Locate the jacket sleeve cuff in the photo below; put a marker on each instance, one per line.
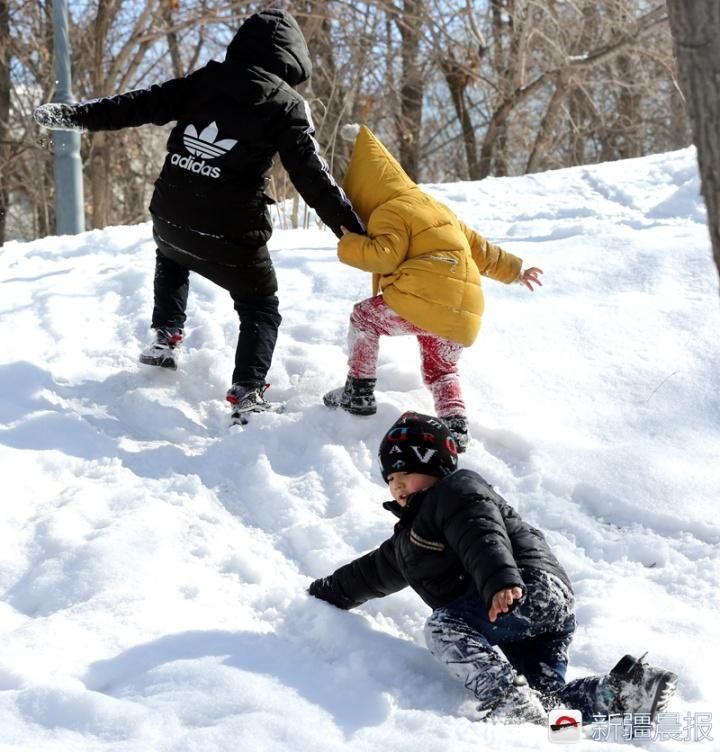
(508, 577)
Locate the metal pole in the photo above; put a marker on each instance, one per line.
(69, 200)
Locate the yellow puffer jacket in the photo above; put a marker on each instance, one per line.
(424, 260)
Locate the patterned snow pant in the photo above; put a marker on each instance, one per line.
(373, 318)
(532, 640)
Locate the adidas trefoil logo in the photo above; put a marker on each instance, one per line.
(204, 146)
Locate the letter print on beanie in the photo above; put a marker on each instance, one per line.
(418, 443)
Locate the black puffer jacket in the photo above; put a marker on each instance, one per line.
(455, 535)
(232, 118)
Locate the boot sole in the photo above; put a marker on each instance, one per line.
(666, 689)
(363, 411)
(163, 362)
(241, 417)
(352, 410)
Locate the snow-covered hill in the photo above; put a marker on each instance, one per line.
(153, 563)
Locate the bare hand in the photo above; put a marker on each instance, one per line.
(503, 600)
(344, 230)
(530, 277)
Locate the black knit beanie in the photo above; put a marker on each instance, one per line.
(418, 444)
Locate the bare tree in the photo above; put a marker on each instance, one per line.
(546, 79)
(455, 88)
(167, 10)
(329, 96)
(4, 113)
(696, 29)
(410, 22)
(564, 72)
(460, 65)
(26, 164)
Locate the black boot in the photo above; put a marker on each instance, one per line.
(639, 688)
(458, 426)
(357, 397)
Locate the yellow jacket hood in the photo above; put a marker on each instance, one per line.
(374, 176)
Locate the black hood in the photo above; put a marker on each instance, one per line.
(272, 40)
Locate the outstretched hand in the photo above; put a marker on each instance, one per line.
(57, 117)
(530, 277)
(326, 589)
(503, 601)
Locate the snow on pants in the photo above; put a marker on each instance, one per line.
(372, 319)
(531, 640)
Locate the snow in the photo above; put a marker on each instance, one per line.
(153, 562)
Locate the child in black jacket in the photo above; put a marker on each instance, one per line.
(491, 580)
(209, 208)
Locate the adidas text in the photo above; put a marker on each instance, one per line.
(192, 165)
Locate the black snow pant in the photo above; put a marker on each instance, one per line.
(252, 288)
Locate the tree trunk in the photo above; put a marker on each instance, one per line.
(458, 80)
(547, 127)
(580, 107)
(100, 176)
(327, 98)
(695, 28)
(172, 38)
(504, 50)
(497, 127)
(628, 123)
(4, 114)
(411, 90)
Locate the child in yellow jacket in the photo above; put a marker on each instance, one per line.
(426, 267)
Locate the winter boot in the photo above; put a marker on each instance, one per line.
(639, 688)
(249, 399)
(357, 397)
(520, 704)
(163, 351)
(458, 426)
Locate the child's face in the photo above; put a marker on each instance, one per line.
(404, 484)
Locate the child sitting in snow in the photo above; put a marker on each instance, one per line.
(492, 582)
(426, 267)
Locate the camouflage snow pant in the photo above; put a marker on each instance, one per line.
(532, 640)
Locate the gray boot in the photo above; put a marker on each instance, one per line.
(249, 398)
(458, 426)
(639, 688)
(632, 687)
(163, 350)
(357, 397)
